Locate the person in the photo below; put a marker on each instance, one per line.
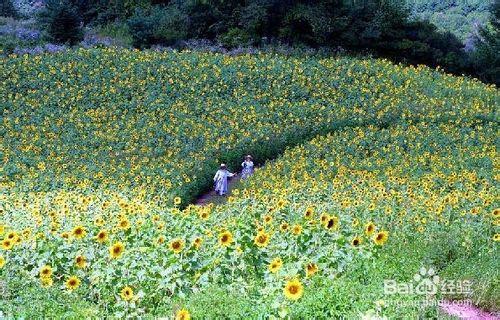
(220, 179)
(247, 167)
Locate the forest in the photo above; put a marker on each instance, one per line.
(459, 36)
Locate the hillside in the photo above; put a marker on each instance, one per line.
(462, 18)
(102, 152)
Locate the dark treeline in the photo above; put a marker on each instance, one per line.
(379, 27)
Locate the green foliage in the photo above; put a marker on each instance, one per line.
(163, 26)
(456, 16)
(119, 32)
(34, 301)
(61, 21)
(487, 55)
(7, 9)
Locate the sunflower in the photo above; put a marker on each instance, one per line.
(46, 271)
(127, 293)
(204, 214)
(81, 262)
(7, 244)
(65, 235)
(197, 242)
(124, 224)
(102, 236)
(79, 232)
(293, 289)
(182, 314)
(355, 222)
(369, 228)
(311, 269)
(160, 240)
(2, 262)
(381, 237)
(72, 283)
(268, 219)
(225, 238)
(275, 265)
(176, 245)
(13, 236)
(177, 201)
(46, 282)
(308, 214)
(284, 227)
(116, 250)
(356, 241)
(261, 239)
(496, 213)
(98, 222)
(496, 237)
(332, 223)
(324, 217)
(297, 229)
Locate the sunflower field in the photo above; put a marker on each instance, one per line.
(374, 169)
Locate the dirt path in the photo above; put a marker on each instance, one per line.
(466, 311)
(212, 197)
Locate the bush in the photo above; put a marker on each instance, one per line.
(235, 37)
(61, 22)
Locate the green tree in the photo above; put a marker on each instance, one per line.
(486, 57)
(7, 9)
(61, 21)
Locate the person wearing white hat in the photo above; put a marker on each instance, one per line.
(247, 167)
(220, 179)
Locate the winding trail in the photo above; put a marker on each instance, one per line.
(212, 197)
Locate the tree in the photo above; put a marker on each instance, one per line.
(61, 22)
(486, 58)
(7, 9)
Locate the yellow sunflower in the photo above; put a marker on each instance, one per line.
(176, 245)
(496, 237)
(127, 293)
(81, 262)
(177, 201)
(275, 265)
(46, 282)
(308, 214)
(261, 239)
(356, 241)
(225, 238)
(116, 250)
(381, 237)
(311, 269)
(46, 271)
(182, 314)
(102, 236)
(197, 242)
(79, 232)
(284, 227)
(293, 289)
(7, 244)
(2, 261)
(332, 223)
(124, 224)
(297, 229)
(369, 228)
(72, 283)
